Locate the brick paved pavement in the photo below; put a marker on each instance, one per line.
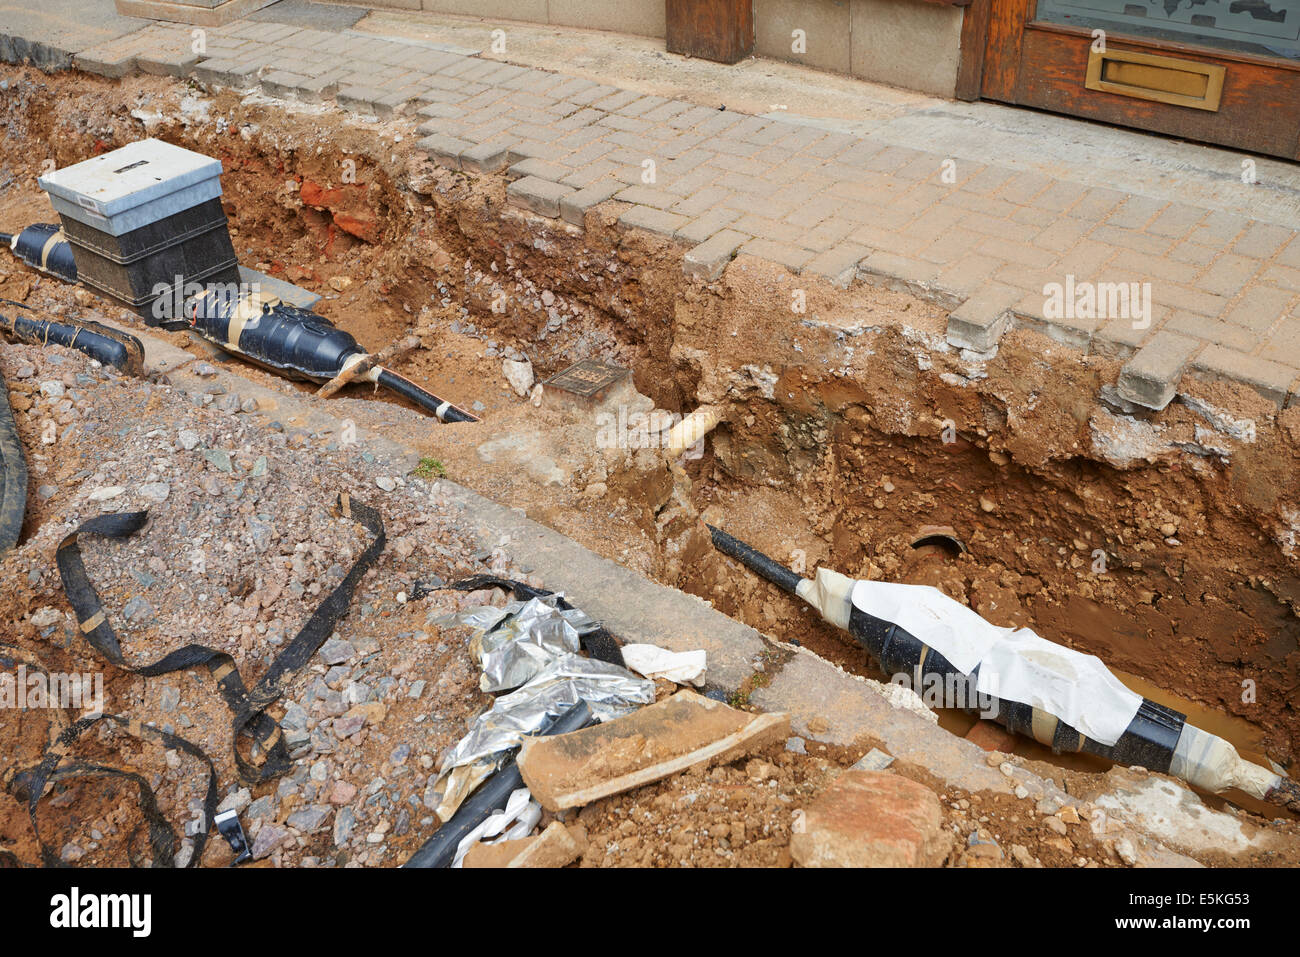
(983, 239)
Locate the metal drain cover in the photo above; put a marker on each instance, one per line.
(587, 378)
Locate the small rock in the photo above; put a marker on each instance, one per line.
(342, 793)
(344, 821)
(1127, 854)
(1022, 856)
(47, 616)
(138, 610)
(336, 651)
(188, 439)
(155, 491)
(236, 801)
(219, 458)
(268, 839)
(519, 375)
(308, 820)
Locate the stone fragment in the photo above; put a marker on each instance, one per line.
(679, 732)
(871, 819)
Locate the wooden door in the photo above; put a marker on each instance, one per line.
(1218, 71)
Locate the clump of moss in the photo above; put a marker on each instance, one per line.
(428, 468)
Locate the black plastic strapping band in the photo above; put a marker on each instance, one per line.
(162, 839)
(248, 705)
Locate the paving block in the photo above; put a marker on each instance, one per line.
(167, 63)
(839, 264)
(708, 260)
(104, 61)
(900, 272)
(1150, 378)
(372, 100)
(978, 323)
(314, 89)
(438, 111)
(281, 83)
(485, 157)
(653, 220)
(540, 168)
(792, 257)
(235, 74)
(537, 195)
(573, 207)
(531, 149)
(647, 196)
(1270, 379)
(713, 221)
(444, 150)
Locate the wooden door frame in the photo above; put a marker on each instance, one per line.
(974, 41)
(993, 53)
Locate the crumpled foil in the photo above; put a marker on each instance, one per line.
(610, 692)
(515, 642)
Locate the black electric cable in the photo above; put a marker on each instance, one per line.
(491, 796)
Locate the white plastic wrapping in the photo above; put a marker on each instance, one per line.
(651, 661)
(1014, 664)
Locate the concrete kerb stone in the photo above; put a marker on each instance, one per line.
(1150, 379)
(979, 322)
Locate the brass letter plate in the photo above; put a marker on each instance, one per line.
(1160, 78)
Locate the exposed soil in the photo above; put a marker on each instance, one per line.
(848, 426)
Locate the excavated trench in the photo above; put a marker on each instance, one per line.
(1164, 544)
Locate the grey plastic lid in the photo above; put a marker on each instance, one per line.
(109, 187)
